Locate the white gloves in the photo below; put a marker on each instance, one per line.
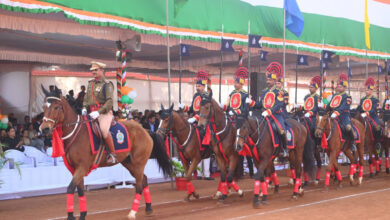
(265, 113)
(296, 105)
(84, 111)
(388, 102)
(307, 115)
(333, 115)
(320, 105)
(363, 115)
(191, 120)
(181, 105)
(220, 105)
(248, 100)
(231, 113)
(250, 113)
(94, 114)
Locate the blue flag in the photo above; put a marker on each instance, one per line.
(254, 41)
(184, 50)
(380, 70)
(227, 45)
(327, 56)
(294, 19)
(349, 72)
(302, 60)
(324, 65)
(263, 55)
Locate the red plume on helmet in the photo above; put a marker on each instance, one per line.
(370, 83)
(241, 74)
(274, 70)
(343, 79)
(202, 77)
(315, 81)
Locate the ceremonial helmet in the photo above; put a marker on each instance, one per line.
(370, 83)
(342, 80)
(241, 74)
(202, 77)
(275, 71)
(315, 82)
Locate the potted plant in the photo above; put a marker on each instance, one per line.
(179, 174)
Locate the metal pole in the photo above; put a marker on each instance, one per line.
(378, 82)
(296, 79)
(180, 72)
(321, 70)
(366, 64)
(386, 80)
(249, 58)
(349, 79)
(220, 69)
(284, 46)
(169, 73)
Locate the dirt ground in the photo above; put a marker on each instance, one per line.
(371, 200)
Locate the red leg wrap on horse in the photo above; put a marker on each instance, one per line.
(338, 175)
(371, 168)
(352, 169)
(190, 187)
(275, 178)
(224, 189)
(146, 193)
(69, 203)
(136, 201)
(264, 188)
(83, 203)
(297, 184)
(333, 170)
(327, 178)
(219, 186)
(267, 179)
(293, 174)
(306, 177)
(256, 190)
(378, 162)
(361, 171)
(318, 173)
(387, 162)
(234, 186)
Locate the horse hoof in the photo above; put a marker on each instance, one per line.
(316, 182)
(131, 215)
(294, 198)
(371, 175)
(339, 187)
(276, 190)
(240, 193)
(264, 202)
(360, 180)
(376, 173)
(82, 215)
(217, 195)
(256, 204)
(149, 212)
(196, 195)
(291, 182)
(222, 199)
(387, 170)
(70, 216)
(306, 184)
(148, 209)
(325, 190)
(301, 192)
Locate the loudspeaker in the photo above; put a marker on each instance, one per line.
(258, 82)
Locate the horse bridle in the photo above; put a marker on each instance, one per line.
(168, 130)
(256, 131)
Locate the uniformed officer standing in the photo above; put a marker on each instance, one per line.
(99, 100)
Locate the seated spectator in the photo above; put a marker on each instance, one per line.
(151, 123)
(35, 139)
(70, 99)
(27, 121)
(3, 135)
(12, 141)
(12, 119)
(38, 121)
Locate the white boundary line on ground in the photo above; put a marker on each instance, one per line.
(310, 204)
(181, 200)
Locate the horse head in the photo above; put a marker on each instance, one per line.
(166, 120)
(206, 110)
(53, 110)
(243, 131)
(322, 124)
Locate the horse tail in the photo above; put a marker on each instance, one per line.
(160, 154)
(308, 157)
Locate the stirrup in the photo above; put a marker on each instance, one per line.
(111, 158)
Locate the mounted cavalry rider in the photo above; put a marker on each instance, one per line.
(340, 105)
(310, 106)
(202, 78)
(279, 86)
(239, 102)
(98, 101)
(369, 105)
(272, 102)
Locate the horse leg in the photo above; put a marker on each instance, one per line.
(317, 156)
(77, 180)
(338, 175)
(190, 170)
(230, 182)
(293, 175)
(386, 147)
(332, 160)
(222, 184)
(148, 199)
(352, 168)
(296, 159)
(260, 182)
(274, 178)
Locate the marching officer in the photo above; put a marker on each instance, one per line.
(99, 100)
(340, 105)
(239, 101)
(369, 105)
(272, 102)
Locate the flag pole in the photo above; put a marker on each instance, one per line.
(220, 69)
(284, 45)
(386, 80)
(296, 79)
(378, 81)
(180, 56)
(321, 70)
(349, 78)
(249, 58)
(366, 63)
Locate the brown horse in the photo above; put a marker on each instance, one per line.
(188, 140)
(78, 154)
(265, 152)
(327, 126)
(386, 138)
(222, 135)
(371, 144)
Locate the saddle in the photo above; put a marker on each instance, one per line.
(96, 128)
